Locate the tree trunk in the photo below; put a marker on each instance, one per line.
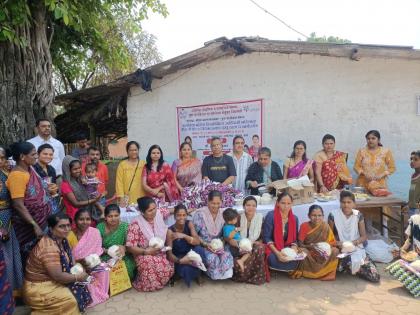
(26, 90)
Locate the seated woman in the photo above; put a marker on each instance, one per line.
(316, 266)
(75, 196)
(331, 167)
(280, 230)
(251, 228)
(49, 287)
(374, 163)
(157, 178)
(84, 241)
(183, 239)
(264, 171)
(114, 232)
(154, 270)
(349, 225)
(298, 165)
(47, 173)
(187, 169)
(208, 222)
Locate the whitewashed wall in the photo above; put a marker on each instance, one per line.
(305, 97)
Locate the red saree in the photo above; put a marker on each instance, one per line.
(164, 177)
(335, 173)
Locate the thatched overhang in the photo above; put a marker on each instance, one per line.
(103, 108)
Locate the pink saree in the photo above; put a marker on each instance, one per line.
(91, 243)
(300, 169)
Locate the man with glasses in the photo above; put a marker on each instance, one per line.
(218, 167)
(242, 161)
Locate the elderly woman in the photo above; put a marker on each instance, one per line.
(331, 166)
(374, 163)
(208, 222)
(84, 241)
(114, 232)
(316, 265)
(280, 230)
(13, 270)
(49, 287)
(128, 186)
(251, 228)
(187, 169)
(157, 178)
(154, 270)
(29, 198)
(264, 171)
(298, 165)
(183, 239)
(349, 226)
(75, 196)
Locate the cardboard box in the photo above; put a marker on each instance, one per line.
(297, 194)
(308, 193)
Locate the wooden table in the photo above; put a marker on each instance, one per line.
(383, 202)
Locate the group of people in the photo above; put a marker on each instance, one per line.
(53, 213)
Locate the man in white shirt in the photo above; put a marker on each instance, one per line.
(43, 127)
(242, 161)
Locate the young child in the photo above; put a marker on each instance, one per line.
(232, 236)
(91, 182)
(414, 193)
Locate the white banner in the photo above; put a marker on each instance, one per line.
(224, 120)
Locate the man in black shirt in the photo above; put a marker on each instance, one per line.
(218, 167)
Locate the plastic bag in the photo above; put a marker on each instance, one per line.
(380, 251)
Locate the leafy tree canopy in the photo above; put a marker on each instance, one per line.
(323, 39)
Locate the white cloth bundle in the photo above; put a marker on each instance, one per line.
(324, 247)
(156, 242)
(77, 269)
(92, 260)
(216, 244)
(196, 259)
(245, 245)
(348, 247)
(289, 252)
(113, 251)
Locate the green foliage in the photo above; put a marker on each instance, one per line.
(84, 33)
(330, 39)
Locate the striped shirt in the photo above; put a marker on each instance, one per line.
(241, 165)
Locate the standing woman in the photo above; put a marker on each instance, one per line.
(85, 240)
(154, 270)
(414, 192)
(47, 173)
(29, 198)
(298, 165)
(280, 230)
(316, 266)
(183, 239)
(331, 166)
(128, 186)
(349, 225)
(13, 263)
(187, 169)
(114, 232)
(157, 178)
(374, 163)
(75, 196)
(251, 228)
(7, 303)
(208, 222)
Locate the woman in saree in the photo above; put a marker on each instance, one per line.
(114, 232)
(298, 164)
(315, 265)
(251, 228)
(374, 163)
(280, 230)
(154, 270)
(187, 169)
(49, 287)
(349, 225)
(13, 271)
(85, 240)
(331, 167)
(7, 303)
(208, 222)
(29, 198)
(75, 196)
(184, 238)
(157, 178)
